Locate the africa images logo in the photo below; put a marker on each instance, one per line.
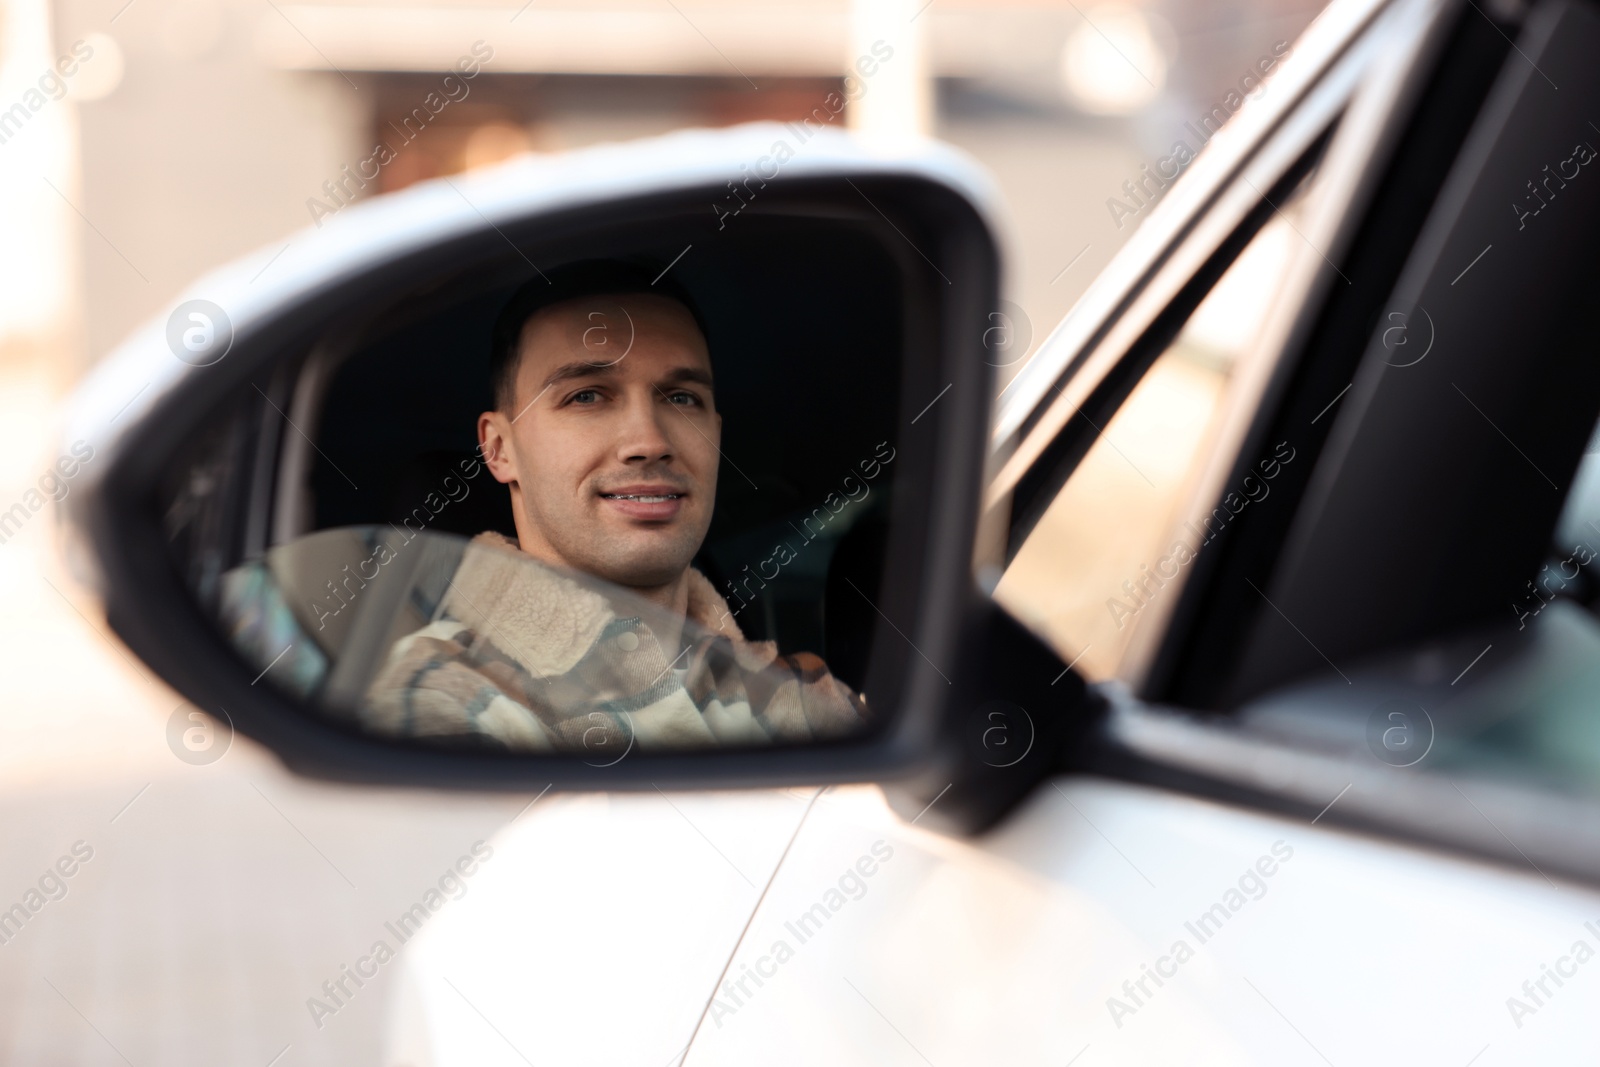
(1251, 885)
(1400, 733)
(199, 332)
(196, 738)
(1005, 734)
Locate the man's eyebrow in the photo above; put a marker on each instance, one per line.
(698, 375)
(578, 369)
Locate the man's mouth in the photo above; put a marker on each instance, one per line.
(646, 503)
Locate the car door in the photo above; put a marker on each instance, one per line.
(1263, 864)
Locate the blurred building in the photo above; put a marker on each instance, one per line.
(207, 128)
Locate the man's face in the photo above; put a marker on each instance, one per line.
(611, 445)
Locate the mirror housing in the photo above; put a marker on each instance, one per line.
(267, 315)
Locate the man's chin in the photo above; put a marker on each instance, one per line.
(640, 576)
(639, 567)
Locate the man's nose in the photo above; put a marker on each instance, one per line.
(644, 438)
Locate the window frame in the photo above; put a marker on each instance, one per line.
(1149, 738)
(1217, 453)
(1135, 310)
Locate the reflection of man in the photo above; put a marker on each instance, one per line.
(606, 430)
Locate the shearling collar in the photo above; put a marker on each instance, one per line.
(549, 620)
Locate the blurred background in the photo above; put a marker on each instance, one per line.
(190, 132)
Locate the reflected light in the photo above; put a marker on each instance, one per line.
(38, 150)
(1112, 63)
(1231, 316)
(101, 73)
(494, 142)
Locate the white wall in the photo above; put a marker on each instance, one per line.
(200, 154)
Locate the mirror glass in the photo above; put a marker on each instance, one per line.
(617, 503)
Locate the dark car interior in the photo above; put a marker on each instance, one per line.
(796, 343)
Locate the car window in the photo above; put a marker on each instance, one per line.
(1523, 706)
(1110, 550)
(1509, 698)
(1580, 516)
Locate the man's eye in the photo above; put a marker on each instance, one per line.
(584, 396)
(685, 399)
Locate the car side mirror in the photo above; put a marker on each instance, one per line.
(742, 559)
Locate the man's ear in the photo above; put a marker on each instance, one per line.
(494, 445)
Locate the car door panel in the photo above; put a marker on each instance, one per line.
(596, 934)
(1014, 948)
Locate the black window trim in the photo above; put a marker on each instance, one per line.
(1189, 662)
(1517, 823)
(1158, 307)
(1188, 224)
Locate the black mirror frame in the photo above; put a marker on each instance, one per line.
(938, 226)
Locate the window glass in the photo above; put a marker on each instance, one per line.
(1111, 548)
(1528, 712)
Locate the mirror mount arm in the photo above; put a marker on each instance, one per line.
(1016, 716)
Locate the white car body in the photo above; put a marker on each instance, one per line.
(603, 924)
(1100, 923)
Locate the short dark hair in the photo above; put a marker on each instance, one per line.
(589, 277)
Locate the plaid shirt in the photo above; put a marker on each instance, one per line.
(525, 658)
